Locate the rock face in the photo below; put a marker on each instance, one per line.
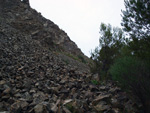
(38, 76)
(28, 21)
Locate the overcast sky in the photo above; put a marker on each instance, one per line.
(81, 19)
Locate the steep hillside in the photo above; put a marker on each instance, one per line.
(29, 23)
(43, 71)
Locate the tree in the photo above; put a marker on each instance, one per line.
(136, 18)
(110, 36)
(136, 22)
(110, 42)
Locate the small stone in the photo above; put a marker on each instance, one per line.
(100, 98)
(7, 91)
(75, 95)
(114, 90)
(27, 84)
(6, 97)
(93, 88)
(116, 110)
(18, 106)
(4, 112)
(102, 107)
(67, 101)
(19, 69)
(28, 97)
(2, 82)
(115, 102)
(32, 91)
(37, 84)
(15, 108)
(95, 77)
(54, 108)
(66, 110)
(103, 88)
(53, 90)
(18, 95)
(40, 108)
(24, 105)
(62, 82)
(88, 94)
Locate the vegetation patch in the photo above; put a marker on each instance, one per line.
(95, 82)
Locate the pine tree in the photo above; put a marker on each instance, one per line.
(136, 18)
(110, 42)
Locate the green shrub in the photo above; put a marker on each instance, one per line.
(95, 82)
(133, 74)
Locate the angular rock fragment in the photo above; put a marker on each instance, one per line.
(101, 98)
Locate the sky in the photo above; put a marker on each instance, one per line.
(81, 19)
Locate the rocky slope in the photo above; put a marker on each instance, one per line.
(43, 71)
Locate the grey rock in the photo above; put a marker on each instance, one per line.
(66, 110)
(18, 106)
(40, 108)
(102, 106)
(7, 91)
(15, 108)
(4, 112)
(95, 77)
(2, 82)
(101, 98)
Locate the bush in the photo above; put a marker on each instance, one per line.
(133, 74)
(95, 82)
(111, 40)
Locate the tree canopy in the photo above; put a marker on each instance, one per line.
(127, 61)
(110, 42)
(136, 18)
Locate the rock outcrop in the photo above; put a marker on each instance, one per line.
(41, 71)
